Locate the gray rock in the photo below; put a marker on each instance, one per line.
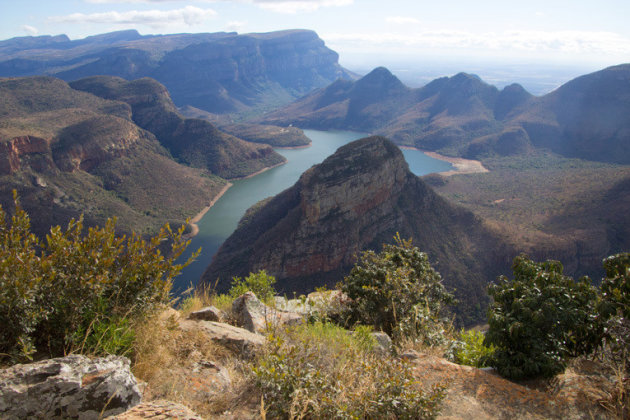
(71, 387)
(383, 343)
(234, 338)
(255, 316)
(209, 313)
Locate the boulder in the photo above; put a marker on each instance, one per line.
(383, 343)
(239, 340)
(71, 387)
(209, 313)
(255, 316)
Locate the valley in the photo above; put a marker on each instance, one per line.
(134, 126)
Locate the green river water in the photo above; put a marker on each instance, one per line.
(221, 220)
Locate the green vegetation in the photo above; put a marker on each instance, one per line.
(78, 291)
(260, 283)
(397, 291)
(540, 319)
(470, 349)
(320, 371)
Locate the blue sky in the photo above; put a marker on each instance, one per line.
(552, 31)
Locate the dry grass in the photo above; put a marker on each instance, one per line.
(189, 368)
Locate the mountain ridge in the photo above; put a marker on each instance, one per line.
(464, 116)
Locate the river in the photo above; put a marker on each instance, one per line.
(221, 220)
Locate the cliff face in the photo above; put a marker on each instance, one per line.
(69, 153)
(357, 199)
(247, 70)
(195, 142)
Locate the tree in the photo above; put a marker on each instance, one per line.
(77, 291)
(540, 319)
(397, 291)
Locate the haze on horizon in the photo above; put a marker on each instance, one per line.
(538, 42)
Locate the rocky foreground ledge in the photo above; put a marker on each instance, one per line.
(76, 387)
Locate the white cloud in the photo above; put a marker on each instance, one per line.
(295, 6)
(30, 30)
(189, 16)
(574, 42)
(279, 6)
(401, 20)
(235, 25)
(143, 1)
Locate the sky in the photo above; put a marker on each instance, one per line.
(577, 33)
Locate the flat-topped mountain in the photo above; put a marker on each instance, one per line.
(195, 142)
(248, 71)
(463, 116)
(358, 198)
(69, 152)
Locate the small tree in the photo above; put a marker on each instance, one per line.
(397, 291)
(260, 283)
(540, 318)
(77, 291)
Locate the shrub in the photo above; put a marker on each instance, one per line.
(470, 349)
(615, 286)
(397, 291)
(321, 371)
(260, 283)
(540, 318)
(75, 291)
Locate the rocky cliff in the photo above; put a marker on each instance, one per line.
(248, 71)
(68, 153)
(357, 199)
(195, 142)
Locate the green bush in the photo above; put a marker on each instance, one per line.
(615, 286)
(540, 319)
(397, 291)
(77, 291)
(260, 283)
(470, 349)
(615, 308)
(320, 371)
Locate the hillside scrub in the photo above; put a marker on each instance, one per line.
(541, 318)
(320, 371)
(78, 292)
(398, 291)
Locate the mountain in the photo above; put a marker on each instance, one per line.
(585, 118)
(464, 116)
(69, 152)
(195, 142)
(358, 198)
(248, 71)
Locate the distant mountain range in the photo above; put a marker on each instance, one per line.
(217, 72)
(463, 116)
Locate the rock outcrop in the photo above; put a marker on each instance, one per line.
(357, 199)
(193, 141)
(238, 340)
(72, 387)
(255, 316)
(69, 152)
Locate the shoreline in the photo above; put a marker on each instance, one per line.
(304, 146)
(462, 166)
(194, 228)
(266, 168)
